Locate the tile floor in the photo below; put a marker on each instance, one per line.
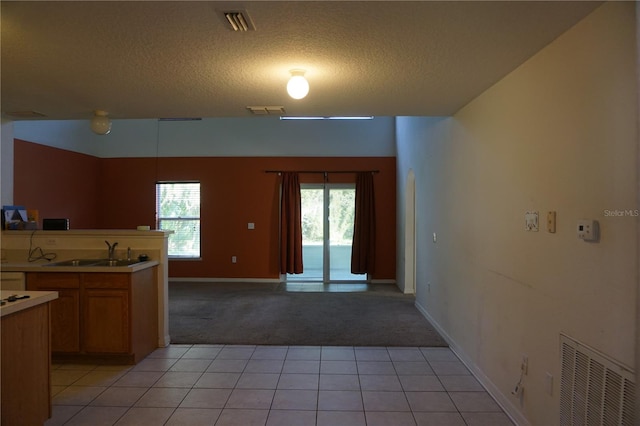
(275, 385)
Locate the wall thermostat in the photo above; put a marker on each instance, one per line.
(588, 230)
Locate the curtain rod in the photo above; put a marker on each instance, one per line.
(321, 171)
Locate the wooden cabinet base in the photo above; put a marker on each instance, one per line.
(26, 371)
(109, 318)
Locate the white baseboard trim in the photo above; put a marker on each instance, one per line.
(503, 400)
(383, 281)
(225, 280)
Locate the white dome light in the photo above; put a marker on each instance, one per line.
(298, 86)
(100, 123)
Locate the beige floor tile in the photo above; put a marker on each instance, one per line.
(375, 382)
(382, 418)
(421, 383)
(178, 379)
(119, 397)
(255, 399)
(240, 417)
(97, 416)
(61, 377)
(298, 381)
(286, 399)
(487, 419)
(217, 380)
(439, 419)
(138, 379)
(194, 417)
(60, 414)
(162, 397)
(348, 382)
(206, 398)
(340, 401)
(291, 417)
(384, 401)
(138, 416)
(99, 378)
(430, 401)
(77, 395)
(342, 418)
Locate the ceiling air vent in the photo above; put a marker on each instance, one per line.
(239, 20)
(25, 114)
(266, 110)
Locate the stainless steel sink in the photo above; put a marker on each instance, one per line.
(76, 262)
(117, 262)
(95, 262)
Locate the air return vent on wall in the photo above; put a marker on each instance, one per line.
(594, 389)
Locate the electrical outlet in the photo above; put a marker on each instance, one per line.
(525, 364)
(234, 259)
(51, 242)
(548, 383)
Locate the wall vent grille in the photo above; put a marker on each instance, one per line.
(594, 388)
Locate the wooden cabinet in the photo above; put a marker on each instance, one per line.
(65, 310)
(25, 394)
(114, 315)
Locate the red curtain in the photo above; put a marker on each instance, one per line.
(363, 251)
(290, 225)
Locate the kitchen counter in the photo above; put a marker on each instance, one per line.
(35, 298)
(44, 266)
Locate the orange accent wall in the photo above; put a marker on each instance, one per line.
(56, 182)
(234, 191)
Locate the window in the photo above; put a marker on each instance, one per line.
(178, 207)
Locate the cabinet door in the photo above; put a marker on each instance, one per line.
(65, 310)
(105, 320)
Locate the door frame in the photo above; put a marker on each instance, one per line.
(410, 234)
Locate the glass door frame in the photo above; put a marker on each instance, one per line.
(326, 237)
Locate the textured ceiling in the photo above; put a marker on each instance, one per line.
(179, 59)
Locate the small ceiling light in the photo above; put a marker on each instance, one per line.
(100, 123)
(298, 86)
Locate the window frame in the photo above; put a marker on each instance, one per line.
(197, 219)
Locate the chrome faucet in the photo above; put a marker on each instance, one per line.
(112, 249)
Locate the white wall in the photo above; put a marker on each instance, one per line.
(221, 137)
(6, 162)
(557, 134)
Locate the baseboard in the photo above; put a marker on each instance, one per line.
(252, 280)
(383, 281)
(225, 280)
(503, 401)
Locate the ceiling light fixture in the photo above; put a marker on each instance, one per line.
(100, 123)
(298, 86)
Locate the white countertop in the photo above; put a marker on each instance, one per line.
(41, 266)
(35, 298)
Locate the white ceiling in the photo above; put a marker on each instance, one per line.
(179, 59)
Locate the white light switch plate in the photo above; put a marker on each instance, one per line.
(531, 221)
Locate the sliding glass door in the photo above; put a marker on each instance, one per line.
(327, 233)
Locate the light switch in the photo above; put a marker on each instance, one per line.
(251, 225)
(531, 221)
